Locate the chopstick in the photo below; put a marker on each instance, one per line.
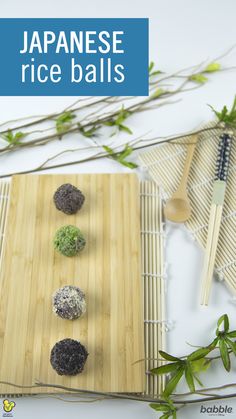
(219, 187)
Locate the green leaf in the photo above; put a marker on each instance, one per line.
(109, 150)
(223, 320)
(13, 138)
(65, 117)
(231, 345)
(8, 136)
(200, 365)
(224, 354)
(232, 334)
(226, 116)
(189, 378)
(19, 135)
(168, 357)
(89, 133)
(125, 128)
(160, 407)
(166, 415)
(212, 67)
(120, 157)
(109, 123)
(214, 343)
(172, 383)
(165, 369)
(151, 66)
(156, 72)
(198, 78)
(221, 115)
(168, 409)
(64, 122)
(197, 379)
(128, 164)
(122, 116)
(199, 353)
(126, 152)
(169, 402)
(158, 92)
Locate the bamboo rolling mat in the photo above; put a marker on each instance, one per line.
(152, 234)
(165, 165)
(154, 321)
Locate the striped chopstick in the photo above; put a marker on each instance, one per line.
(219, 187)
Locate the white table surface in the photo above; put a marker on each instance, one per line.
(182, 33)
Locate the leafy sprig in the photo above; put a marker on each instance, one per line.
(168, 409)
(198, 361)
(64, 122)
(152, 71)
(201, 77)
(159, 92)
(224, 340)
(88, 133)
(118, 121)
(228, 117)
(13, 138)
(68, 122)
(179, 367)
(121, 156)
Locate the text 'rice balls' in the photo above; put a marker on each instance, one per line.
(68, 357)
(69, 302)
(69, 240)
(68, 199)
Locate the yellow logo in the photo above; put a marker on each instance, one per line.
(8, 406)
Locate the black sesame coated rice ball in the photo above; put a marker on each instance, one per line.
(68, 357)
(68, 199)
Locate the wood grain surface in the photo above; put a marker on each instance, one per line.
(108, 270)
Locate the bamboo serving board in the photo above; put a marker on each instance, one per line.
(108, 270)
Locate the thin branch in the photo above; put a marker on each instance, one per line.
(136, 107)
(23, 118)
(98, 157)
(50, 117)
(206, 390)
(224, 54)
(51, 396)
(122, 396)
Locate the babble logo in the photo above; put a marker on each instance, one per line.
(216, 410)
(8, 405)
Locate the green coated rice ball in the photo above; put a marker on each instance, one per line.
(69, 240)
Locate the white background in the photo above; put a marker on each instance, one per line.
(182, 33)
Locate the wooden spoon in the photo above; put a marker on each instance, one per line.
(178, 207)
